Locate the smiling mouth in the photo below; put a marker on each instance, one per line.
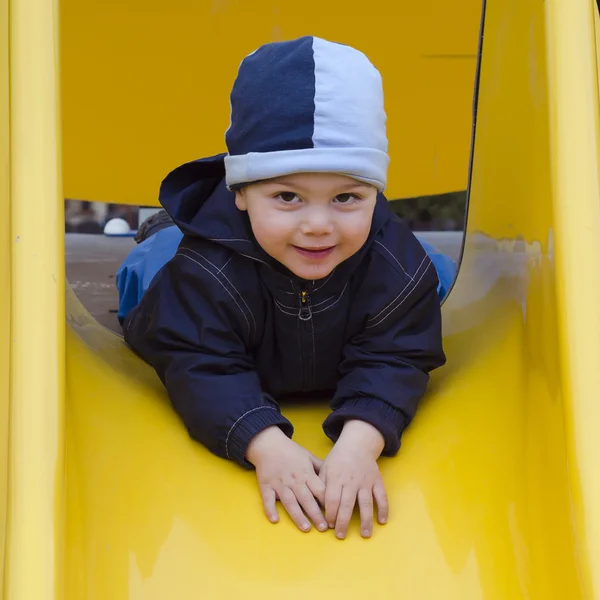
(315, 253)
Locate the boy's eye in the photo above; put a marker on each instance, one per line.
(287, 197)
(346, 198)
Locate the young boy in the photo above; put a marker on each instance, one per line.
(294, 276)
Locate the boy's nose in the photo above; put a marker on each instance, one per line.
(317, 222)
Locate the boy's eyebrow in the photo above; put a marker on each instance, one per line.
(351, 186)
(346, 186)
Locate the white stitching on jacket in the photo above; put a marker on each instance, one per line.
(316, 312)
(228, 281)
(314, 381)
(397, 261)
(223, 267)
(325, 282)
(400, 294)
(224, 286)
(285, 312)
(281, 306)
(262, 262)
(228, 240)
(237, 421)
(312, 305)
(403, 299)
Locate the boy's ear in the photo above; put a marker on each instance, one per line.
(240, 199)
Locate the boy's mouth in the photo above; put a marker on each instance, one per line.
(315, 253)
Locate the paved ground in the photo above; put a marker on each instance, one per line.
(91, 264)
(93, 260)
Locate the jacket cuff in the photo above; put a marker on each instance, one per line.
(249, 425)
(385, 418)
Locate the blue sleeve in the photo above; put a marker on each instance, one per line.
(195, 330)
(444, 266)
(385, 367)
(141, 265)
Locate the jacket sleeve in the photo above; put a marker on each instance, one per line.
(385, 367)
(195, 329)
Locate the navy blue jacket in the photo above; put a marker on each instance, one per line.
(230, 331)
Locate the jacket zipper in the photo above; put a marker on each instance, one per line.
(306, 340)
(304, 314)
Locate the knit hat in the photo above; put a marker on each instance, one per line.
(307, 105)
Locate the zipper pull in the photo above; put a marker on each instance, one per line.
(304, 313)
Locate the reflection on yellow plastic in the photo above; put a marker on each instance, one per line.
(35, 260)
(4, 272)
(146, 83)
(495, 493)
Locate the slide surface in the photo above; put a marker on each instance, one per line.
(496, 491)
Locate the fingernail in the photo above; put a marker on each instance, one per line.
(322, 527)
(331, 525)
(366, 533)
(382, 521)
(340, 536)
(305, 526)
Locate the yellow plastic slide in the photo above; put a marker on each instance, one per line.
(496, 491)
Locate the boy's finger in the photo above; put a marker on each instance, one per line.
(345, 510)
(365, 505)
(311, 508)
(323, 476)
(333, 494)
(269, 499)
(317, 487)
(317, 463)
(290, 503)
(382, 503)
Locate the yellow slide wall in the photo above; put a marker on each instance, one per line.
(145, 83)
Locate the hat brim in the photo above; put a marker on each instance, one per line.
(364, 164)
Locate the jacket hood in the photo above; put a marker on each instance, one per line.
(196, 197)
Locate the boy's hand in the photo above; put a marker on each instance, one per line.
(287, 472)
(350, 473)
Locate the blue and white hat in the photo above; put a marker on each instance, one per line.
(307, 105)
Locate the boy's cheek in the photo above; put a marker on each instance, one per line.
(270, 229)
(357, 234)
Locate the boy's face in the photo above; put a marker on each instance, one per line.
(309, 222)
